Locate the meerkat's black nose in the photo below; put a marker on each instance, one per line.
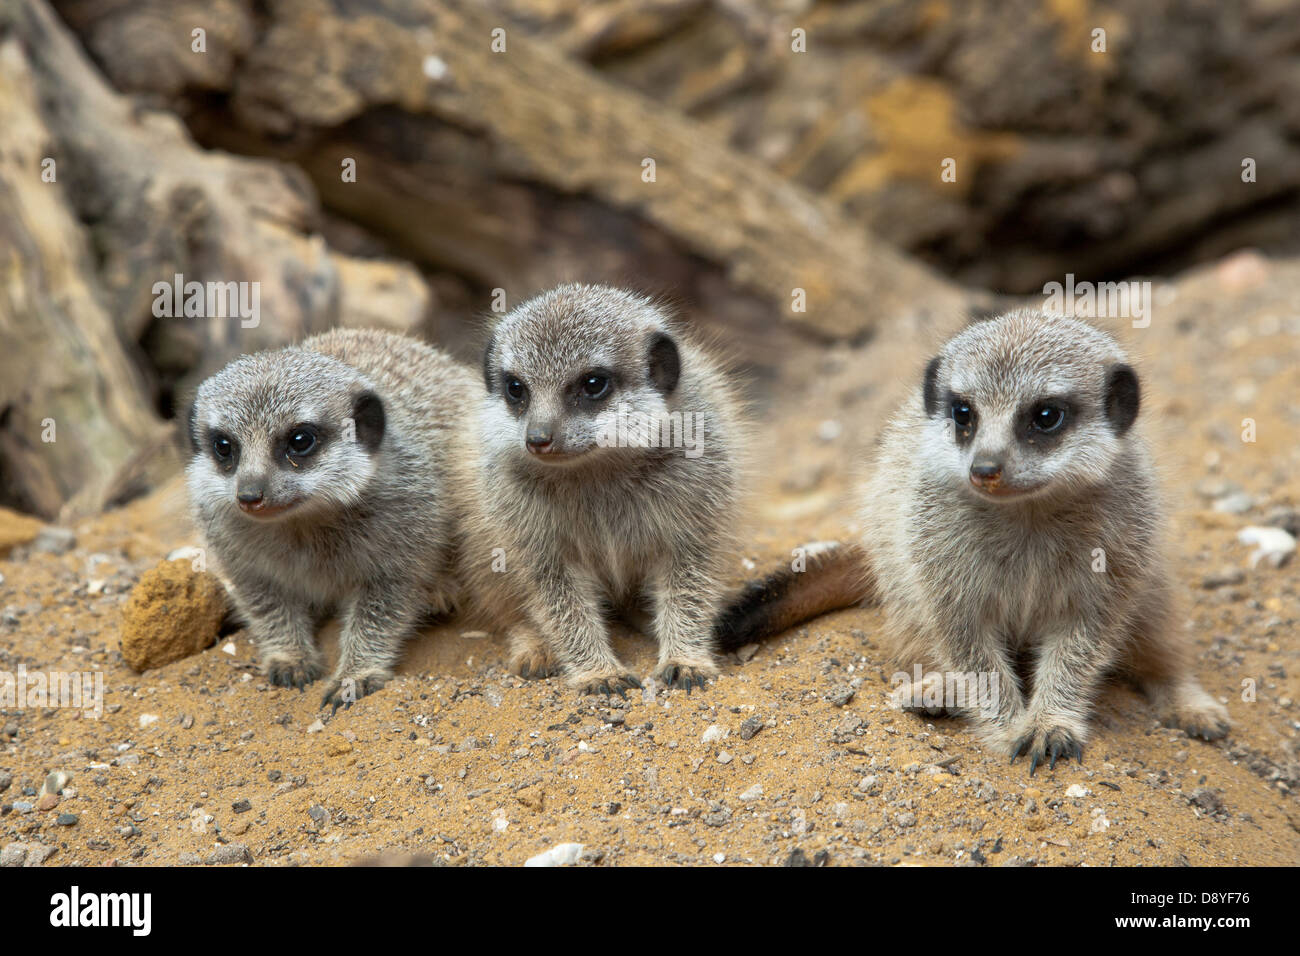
(539, 440)
(985, 472)
(249, 496)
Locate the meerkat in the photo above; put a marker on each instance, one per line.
(604, 479)
(1013, 528)
(319, 483)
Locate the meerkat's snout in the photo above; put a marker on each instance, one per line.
(986, 474)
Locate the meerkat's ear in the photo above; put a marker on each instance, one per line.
(487, 363)
(930, 390)
(665, 363)
(368, 416)
(1123, 396)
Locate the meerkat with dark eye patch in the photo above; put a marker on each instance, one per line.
(1014, 530)
(319, 482)
(604, 479)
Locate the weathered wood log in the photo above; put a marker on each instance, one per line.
(74, 414)
(456, 130)
(105, 209)
(159, 207)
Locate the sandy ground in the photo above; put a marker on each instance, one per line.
(790, 757)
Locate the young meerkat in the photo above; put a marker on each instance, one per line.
(604, 479)
(1013, 527)
(319, 482)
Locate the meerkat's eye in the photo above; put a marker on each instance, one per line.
(302, 441)
(516, 391)
(1047, 417)
(962, 413)
(223, 449)
(594, 385)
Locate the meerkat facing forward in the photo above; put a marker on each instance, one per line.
(1013, 528)
(577, 511)
(319, 483)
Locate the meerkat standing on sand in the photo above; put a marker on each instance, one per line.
(1013, 528)
(603, 478)
(319, 483)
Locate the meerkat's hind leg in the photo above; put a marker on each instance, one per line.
(1182, 702)
(924, 697)
(1162, 670)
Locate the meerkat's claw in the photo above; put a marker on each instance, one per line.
(1047, 747)
(292, 674)
(1209, 730)
(683, 677)
(609, 685)
(536, 670)
(344, 692)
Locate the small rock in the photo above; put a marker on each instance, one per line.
(6, 778)
(242, 806)
(560, 855)
(230, 853)
(315, 727)
(54, 540)
(1236, 503)
(714, 734)
(841, 695)
(748, 729)
(13, 854)
(746, 652)
(1223, 578)
(67, 819)
(54, 782)
(1076, 791)
(47, 802)
(724, 758)
(1272, 545)
(23, 806)
(753, 793)
(1206, 799)
(906, 819)
(148, 720)
(38, 853)
(319, 814)
(172, 613)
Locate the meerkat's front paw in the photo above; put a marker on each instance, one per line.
(686, 675)
(346, 691)
(288, 671)
(1046, 741)
(607, 684)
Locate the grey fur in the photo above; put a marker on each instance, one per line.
(371, 532)
(627, 529)
(971, 580)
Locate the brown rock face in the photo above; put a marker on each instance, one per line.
(173, 612)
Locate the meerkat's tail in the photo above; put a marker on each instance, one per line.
(835, 576)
